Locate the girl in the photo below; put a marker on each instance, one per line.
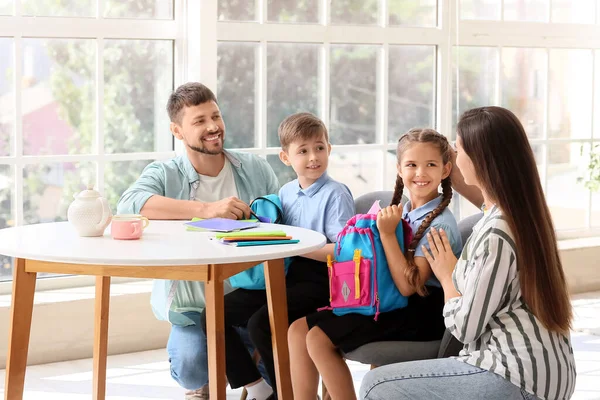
(506, 298)
(315, 341)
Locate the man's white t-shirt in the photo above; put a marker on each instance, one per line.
(208, 189)
(214, 188)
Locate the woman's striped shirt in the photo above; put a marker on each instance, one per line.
(499, 332)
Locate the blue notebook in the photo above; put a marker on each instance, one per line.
(222, 224)
(259, 242)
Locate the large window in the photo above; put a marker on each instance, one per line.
(373, 69)
(367, 68)
(83, 86)
(537, 59)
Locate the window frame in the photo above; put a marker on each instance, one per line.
(18, 27)
(450, 33)
(196, 31)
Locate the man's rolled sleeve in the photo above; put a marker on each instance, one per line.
(151, 182)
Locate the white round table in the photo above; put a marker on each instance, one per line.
(165, 251)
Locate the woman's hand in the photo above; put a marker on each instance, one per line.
(388, 219)
(440, 256)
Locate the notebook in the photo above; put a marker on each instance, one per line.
(252, 233)
(258, 242)
(254, 238)
(222, 224)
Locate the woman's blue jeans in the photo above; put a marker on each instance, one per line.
(444, 378)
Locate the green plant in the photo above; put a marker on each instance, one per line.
(591, 178)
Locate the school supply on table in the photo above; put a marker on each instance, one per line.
(259, 243)
(250, 233)
(221, 224)
(254, 278)
(359, 279)
(254, 238)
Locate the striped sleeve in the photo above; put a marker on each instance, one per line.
(484, 288)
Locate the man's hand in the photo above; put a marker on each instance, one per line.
(388, 219)
(230, 207)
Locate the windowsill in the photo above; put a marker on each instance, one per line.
(68, 312)
(68, 315)
(579, 243)
(140, 286)
(83, 292)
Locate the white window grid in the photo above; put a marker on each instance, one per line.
(18, 27)
(196, 33)
(450, 34)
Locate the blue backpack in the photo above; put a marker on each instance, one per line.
(268, 209)
(359, 279)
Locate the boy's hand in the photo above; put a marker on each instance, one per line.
(388, 219)
(230, 207)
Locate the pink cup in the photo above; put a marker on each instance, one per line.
(128, 226)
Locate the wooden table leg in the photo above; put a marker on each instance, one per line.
(215, 335)
(278, 316)
(102, 302)
(19, 329)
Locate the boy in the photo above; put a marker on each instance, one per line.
(313, 201)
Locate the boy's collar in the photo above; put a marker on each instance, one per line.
(420, 212)
(314, 188)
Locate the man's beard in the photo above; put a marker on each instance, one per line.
(204, 150)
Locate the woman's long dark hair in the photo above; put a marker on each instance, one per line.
(417, 135)
(495, 141)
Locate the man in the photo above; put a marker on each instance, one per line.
(207, 181)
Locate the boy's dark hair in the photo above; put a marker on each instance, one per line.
(188, 95)
(417, 135)
(300, 126)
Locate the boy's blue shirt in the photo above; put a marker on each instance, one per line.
(325, 206)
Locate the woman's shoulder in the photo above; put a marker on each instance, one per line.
(495, 222)
(494, 226)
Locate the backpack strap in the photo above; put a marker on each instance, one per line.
(408, 234)
(330, 268)
(356, 260)
(279, 217)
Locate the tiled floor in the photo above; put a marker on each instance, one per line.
(146, 375)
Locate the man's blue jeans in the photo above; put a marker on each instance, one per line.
(188, 353)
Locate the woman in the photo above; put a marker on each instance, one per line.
(506, 298)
